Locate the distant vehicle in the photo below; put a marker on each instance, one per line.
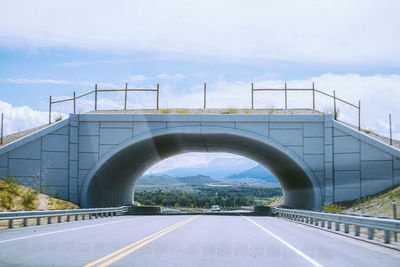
(215, 208)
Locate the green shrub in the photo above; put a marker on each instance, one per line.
(368, 131)
(231, 111)
(58, 118)
(336, 114)
(333, 208)
(166, 111)
(6, 199)
(248, 111)
(29, 200)
(182, 111)
(271, 111)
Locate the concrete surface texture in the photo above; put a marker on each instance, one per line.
(187, 241)
(96, 159)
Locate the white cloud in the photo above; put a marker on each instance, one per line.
(137, 78)
(339, 31)
(73, 64)
(176, 76)
(51, 81)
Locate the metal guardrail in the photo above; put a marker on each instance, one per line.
(10, 216)
(320, 218)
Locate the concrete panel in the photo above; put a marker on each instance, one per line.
(73, 186)
(315, 162)
(62, 131)
(73, 152)
(86, 160)
(347, 179)
(396, 163)
(107, 117)
(174, 124)
(328, 153)
(337, 132)
(88, 128)
(3, 172)
(373, 186)
(328, 136)
(55, 160)
(144, 127)
(29, 151)
(328, 170)
(73, 135)
(213, 123)
(31, 167)
(104, 149)
(328, 200)
(32, 182)
(88, 144)
(369, 152)
(57, 177)
(4, 161)
(286, 125)
(396, 177)
(73, 169)
(313, 129)
(74, 120)
(82, 176)
(314, 145)
(320, 177)
(346, 144)
(113, 136)
(260, 128)
(298, 150)
(329, 187)
(57, 191)
(346, 194)
(287, 137)
(376, 169)
(55, 143)
(347, 162)
(116, 124)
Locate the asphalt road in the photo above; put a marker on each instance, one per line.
(186, 241)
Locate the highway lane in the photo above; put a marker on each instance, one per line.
(186, 240)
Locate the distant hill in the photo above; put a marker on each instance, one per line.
(170, 180)
(258, 172)
(218, 168)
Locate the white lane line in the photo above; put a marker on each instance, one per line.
(66, 230)
(310, 260)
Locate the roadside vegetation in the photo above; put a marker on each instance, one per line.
(14, 196)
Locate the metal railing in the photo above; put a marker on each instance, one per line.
(321, 219)
(11, 216)
(334, 97)
(96, 91)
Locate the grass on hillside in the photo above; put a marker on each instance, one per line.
(14, 196)
(231, 111)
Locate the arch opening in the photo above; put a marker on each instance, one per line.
(111, 181)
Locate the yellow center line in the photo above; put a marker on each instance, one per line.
(138, 244)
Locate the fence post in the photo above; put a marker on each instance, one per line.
(1, 135)
(285, 96)
(359, 115)
(95, 96)
(313, 96)
(334, 105)
(390, 127)
(50, 111)
(252, 96)
(205, 95)
(126, 94)
(158, 94)
(74, 103)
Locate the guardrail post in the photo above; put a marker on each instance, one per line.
(158, 95)
(68, 218)
(313, 96)
(329, 225)
(76, 217)
(1, 135)
(390, 127)
(346, 228)
(337, 226)
(205, 95)
(323, 223)
(252, 96)
(10, 223)
(59, 219)
(74, 103)
(90, 216)
(285, 96)
(38, 221)
(50, 110)
(126, 94)
(311, 220)
(357, 230)
(83, 216)
(371, 233)
(95, 96)
(316, 222)
(387, 237)
(25, 222)
(49, 220)
(307, 219)
(394, 217)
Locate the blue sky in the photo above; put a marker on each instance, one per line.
(55, 48)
